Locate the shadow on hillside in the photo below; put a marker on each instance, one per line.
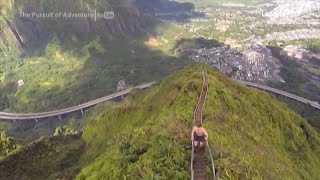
(126, 57)
(35, 31)
(169, 10)
(197, 43)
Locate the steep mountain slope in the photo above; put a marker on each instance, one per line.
(147, 135)
(40, 25)
(253, 135)
(46, 158)
(68, 61)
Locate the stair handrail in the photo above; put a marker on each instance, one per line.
(207, 143)
(215, 176)
(192, 159)
(204, 76)
(194, 119)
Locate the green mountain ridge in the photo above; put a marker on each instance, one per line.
(146, 136)
(94, 56)
(29, 31)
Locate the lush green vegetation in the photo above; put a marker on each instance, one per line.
(293, 74)
(47, 158)
(190, 44)
(248, 127)
(65, 131)
(147, 136)
(278, 137)
(64, 65)
(4, 125)
(7, 144)
(93, 70)
(295, 82)
(311, 44)
(312, 115)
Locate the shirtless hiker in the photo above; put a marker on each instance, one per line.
(198, 135)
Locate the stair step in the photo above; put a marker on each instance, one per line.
(200, 164)
(199, 176)
(198, 171)
(199, 167)
(199, 158)
(199, 161)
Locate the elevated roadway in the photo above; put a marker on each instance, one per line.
(283, 93)
(59, 113)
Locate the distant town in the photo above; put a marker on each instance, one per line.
(253, 64)
(247, 30)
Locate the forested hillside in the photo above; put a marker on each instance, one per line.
(147, 135)
(49, 63)
(67, 61)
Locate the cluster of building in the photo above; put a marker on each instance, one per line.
(301, 53)
(295, 51)
(294, 35)
(293, 9)
(223, 25)
(193, 28)
(221, 58)
(233, 5)
(306, 58)
(308, 20)
(252, 64)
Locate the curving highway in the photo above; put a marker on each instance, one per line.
(283, 93)
(59, 113)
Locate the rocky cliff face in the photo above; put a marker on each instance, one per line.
(28, 22)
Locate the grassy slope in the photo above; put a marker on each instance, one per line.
(92, 62)
(144, 136)
(91, 75)
(253, 135)
(46, 158)
(147, 135)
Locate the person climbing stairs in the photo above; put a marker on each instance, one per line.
(199, 137)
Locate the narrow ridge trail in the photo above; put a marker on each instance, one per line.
(202, 99)
(199, 159)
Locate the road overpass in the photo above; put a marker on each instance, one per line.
(59, 113)
(283, 93)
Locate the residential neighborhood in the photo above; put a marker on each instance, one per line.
(254, 63)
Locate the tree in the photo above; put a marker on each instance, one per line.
(7, 144)
(4, 102)
(65, 130)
